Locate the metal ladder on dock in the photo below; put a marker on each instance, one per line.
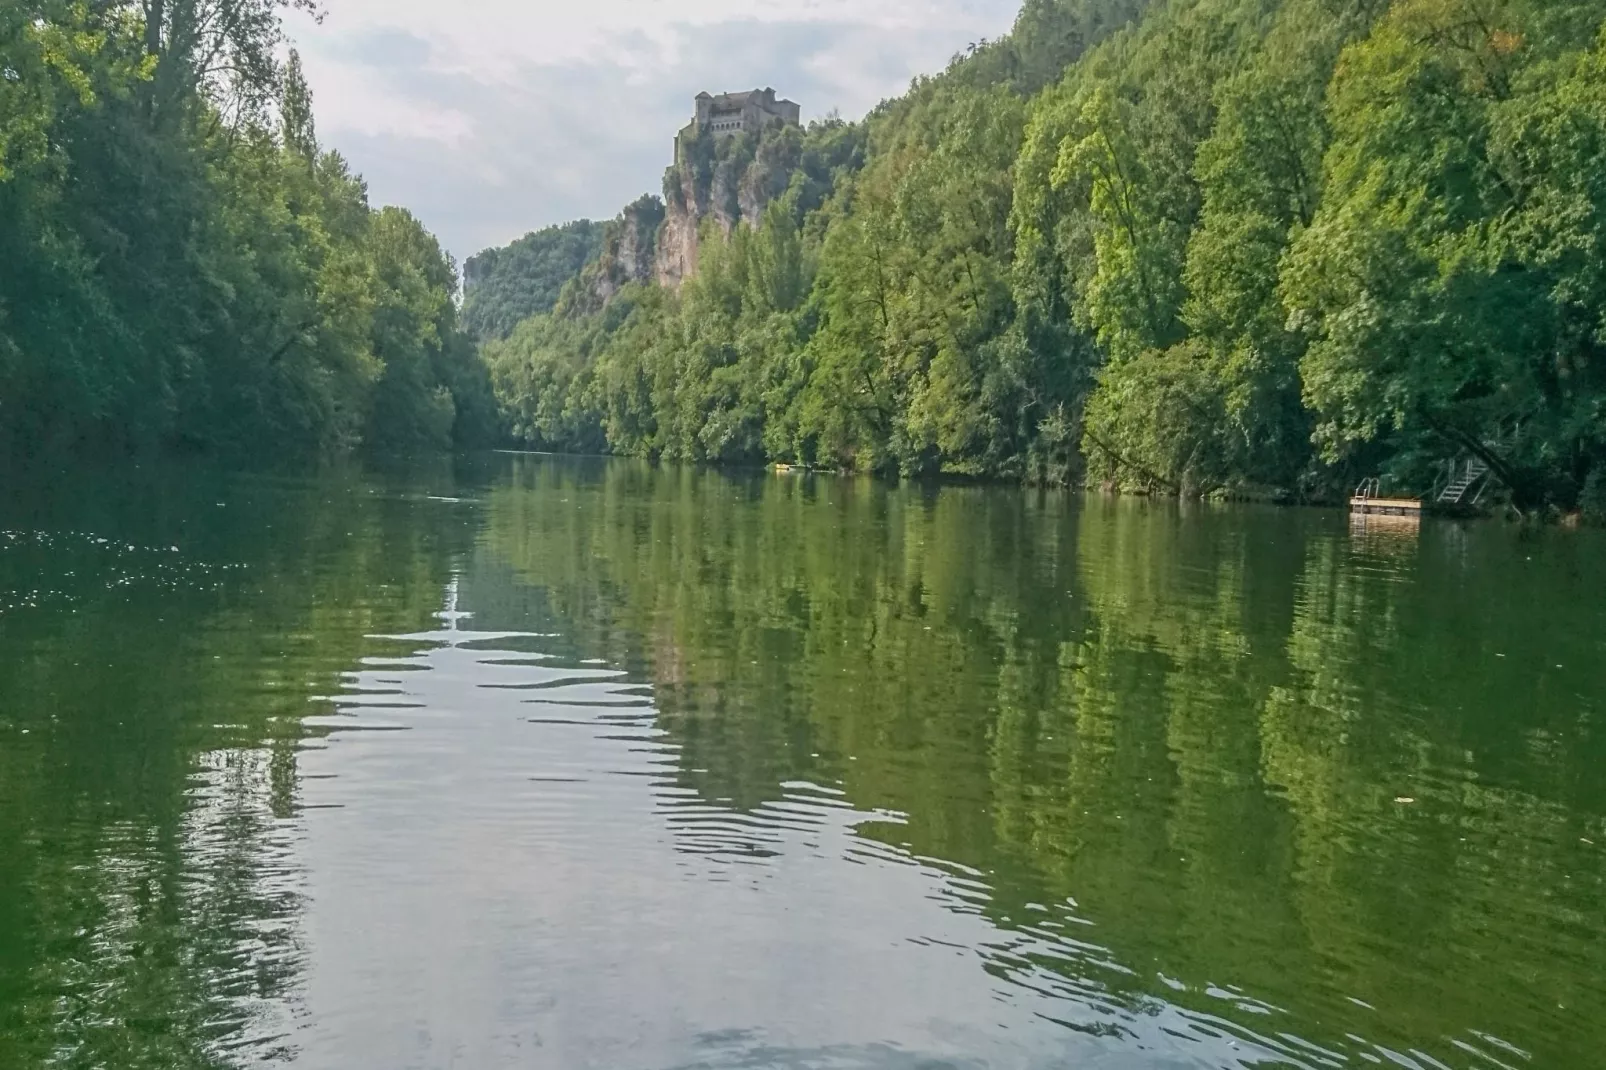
(1464, 478)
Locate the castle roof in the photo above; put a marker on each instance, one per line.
(726, 105)
(734, 101)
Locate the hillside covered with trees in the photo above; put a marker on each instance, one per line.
(1189, 246)
(181, 263)
(503, 287)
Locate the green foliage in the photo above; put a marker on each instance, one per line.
(1593, 500)
(180, 262)
(1450, 283)
(1197, 246)
(523, 279)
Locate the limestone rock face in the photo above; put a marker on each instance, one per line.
(629, 248)
(738, 154)
(676, 259)
(634, 240)
(727, 180)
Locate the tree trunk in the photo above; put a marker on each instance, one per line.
(155, 17)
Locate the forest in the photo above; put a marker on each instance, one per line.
(183, 266)
(1195, 247)
(504, 287)
(1256, 248)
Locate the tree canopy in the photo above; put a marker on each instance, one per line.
(181, 263)
(508, 285)
(1192, 246)
(1188, 246)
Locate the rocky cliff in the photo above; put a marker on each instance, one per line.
(726, 181)
(712, 186)
(684, 211)
(629, 248)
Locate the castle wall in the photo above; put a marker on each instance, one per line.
(733, 113)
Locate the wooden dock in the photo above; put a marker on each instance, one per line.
(1367, 501)
(1365, 505)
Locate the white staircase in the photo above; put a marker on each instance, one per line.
(1466, 476)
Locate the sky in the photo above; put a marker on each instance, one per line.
(492, 118)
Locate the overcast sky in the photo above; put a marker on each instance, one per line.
(491, 118)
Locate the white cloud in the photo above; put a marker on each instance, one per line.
(490, 118)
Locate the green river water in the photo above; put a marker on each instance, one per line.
(523, 761)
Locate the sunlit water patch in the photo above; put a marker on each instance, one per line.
(73, 568)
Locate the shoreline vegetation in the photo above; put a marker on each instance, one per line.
(184, 267)
(1203, 248)
(1263, 248)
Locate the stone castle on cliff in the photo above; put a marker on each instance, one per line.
(729, 114)
(734, 113)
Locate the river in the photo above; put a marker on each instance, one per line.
(521, 761)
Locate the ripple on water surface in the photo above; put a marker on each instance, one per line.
(522, 872)
(736, 777)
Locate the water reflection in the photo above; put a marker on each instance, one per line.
(554, 763)
(1194, 726)
(160, 633)
(588, 908)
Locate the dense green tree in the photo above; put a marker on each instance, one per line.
(523, 279)
(1446, 283)
(1191, 246)
(181, 263)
